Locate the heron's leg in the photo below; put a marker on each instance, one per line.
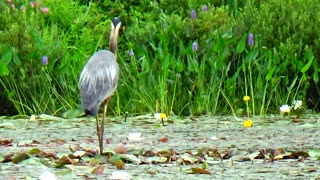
(98, 132)
(102, 128)
(105, 107)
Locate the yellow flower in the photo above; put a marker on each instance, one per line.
(246, 98)
(160, 115)
(247, 123)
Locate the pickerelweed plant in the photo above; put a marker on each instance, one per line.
(56, 30)
(184, 58)
(178, 65)
(264, 76)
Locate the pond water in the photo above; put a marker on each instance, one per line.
(272, 149)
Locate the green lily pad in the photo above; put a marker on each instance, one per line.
(7, 125)
(73, 113)
(20, 157)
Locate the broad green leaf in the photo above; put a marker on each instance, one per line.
(165, 63)
(242, 44)
(316, 77)
(307, 66)
(16, 59)
(6, 56)
(270, 73)
(228, 34)
(192, 64)
(145, 64)
(219, 63)
(219, 45)
(179, 66)
(4, 71)
(275, 58)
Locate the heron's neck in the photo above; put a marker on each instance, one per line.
(113, 44)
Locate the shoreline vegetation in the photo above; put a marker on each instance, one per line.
(183, 58)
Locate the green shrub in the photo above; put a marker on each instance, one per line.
(165, 63)
(287, 31)
(165, 73)
(67, 34)
(291, 24)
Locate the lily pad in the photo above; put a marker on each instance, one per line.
(73, 113)
(7, 125)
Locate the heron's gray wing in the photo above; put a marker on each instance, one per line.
(98, 80)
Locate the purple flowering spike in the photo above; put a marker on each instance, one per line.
(250, 40)
(45, 60)
(131, 53)
(204, 8)
(195, 46)
(193, 14)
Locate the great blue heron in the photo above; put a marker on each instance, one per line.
(99, 80)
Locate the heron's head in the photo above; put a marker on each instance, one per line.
(115, 24)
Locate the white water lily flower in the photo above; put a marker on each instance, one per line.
(214, 138)
(47, 175)
(157, 115)
(285, 109)
(296, 104)
(120, 175)
(135, 136)
(32, 117)
(79, 153)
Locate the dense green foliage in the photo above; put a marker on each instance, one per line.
(165, 73)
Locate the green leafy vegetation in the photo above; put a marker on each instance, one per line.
(184, 58)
